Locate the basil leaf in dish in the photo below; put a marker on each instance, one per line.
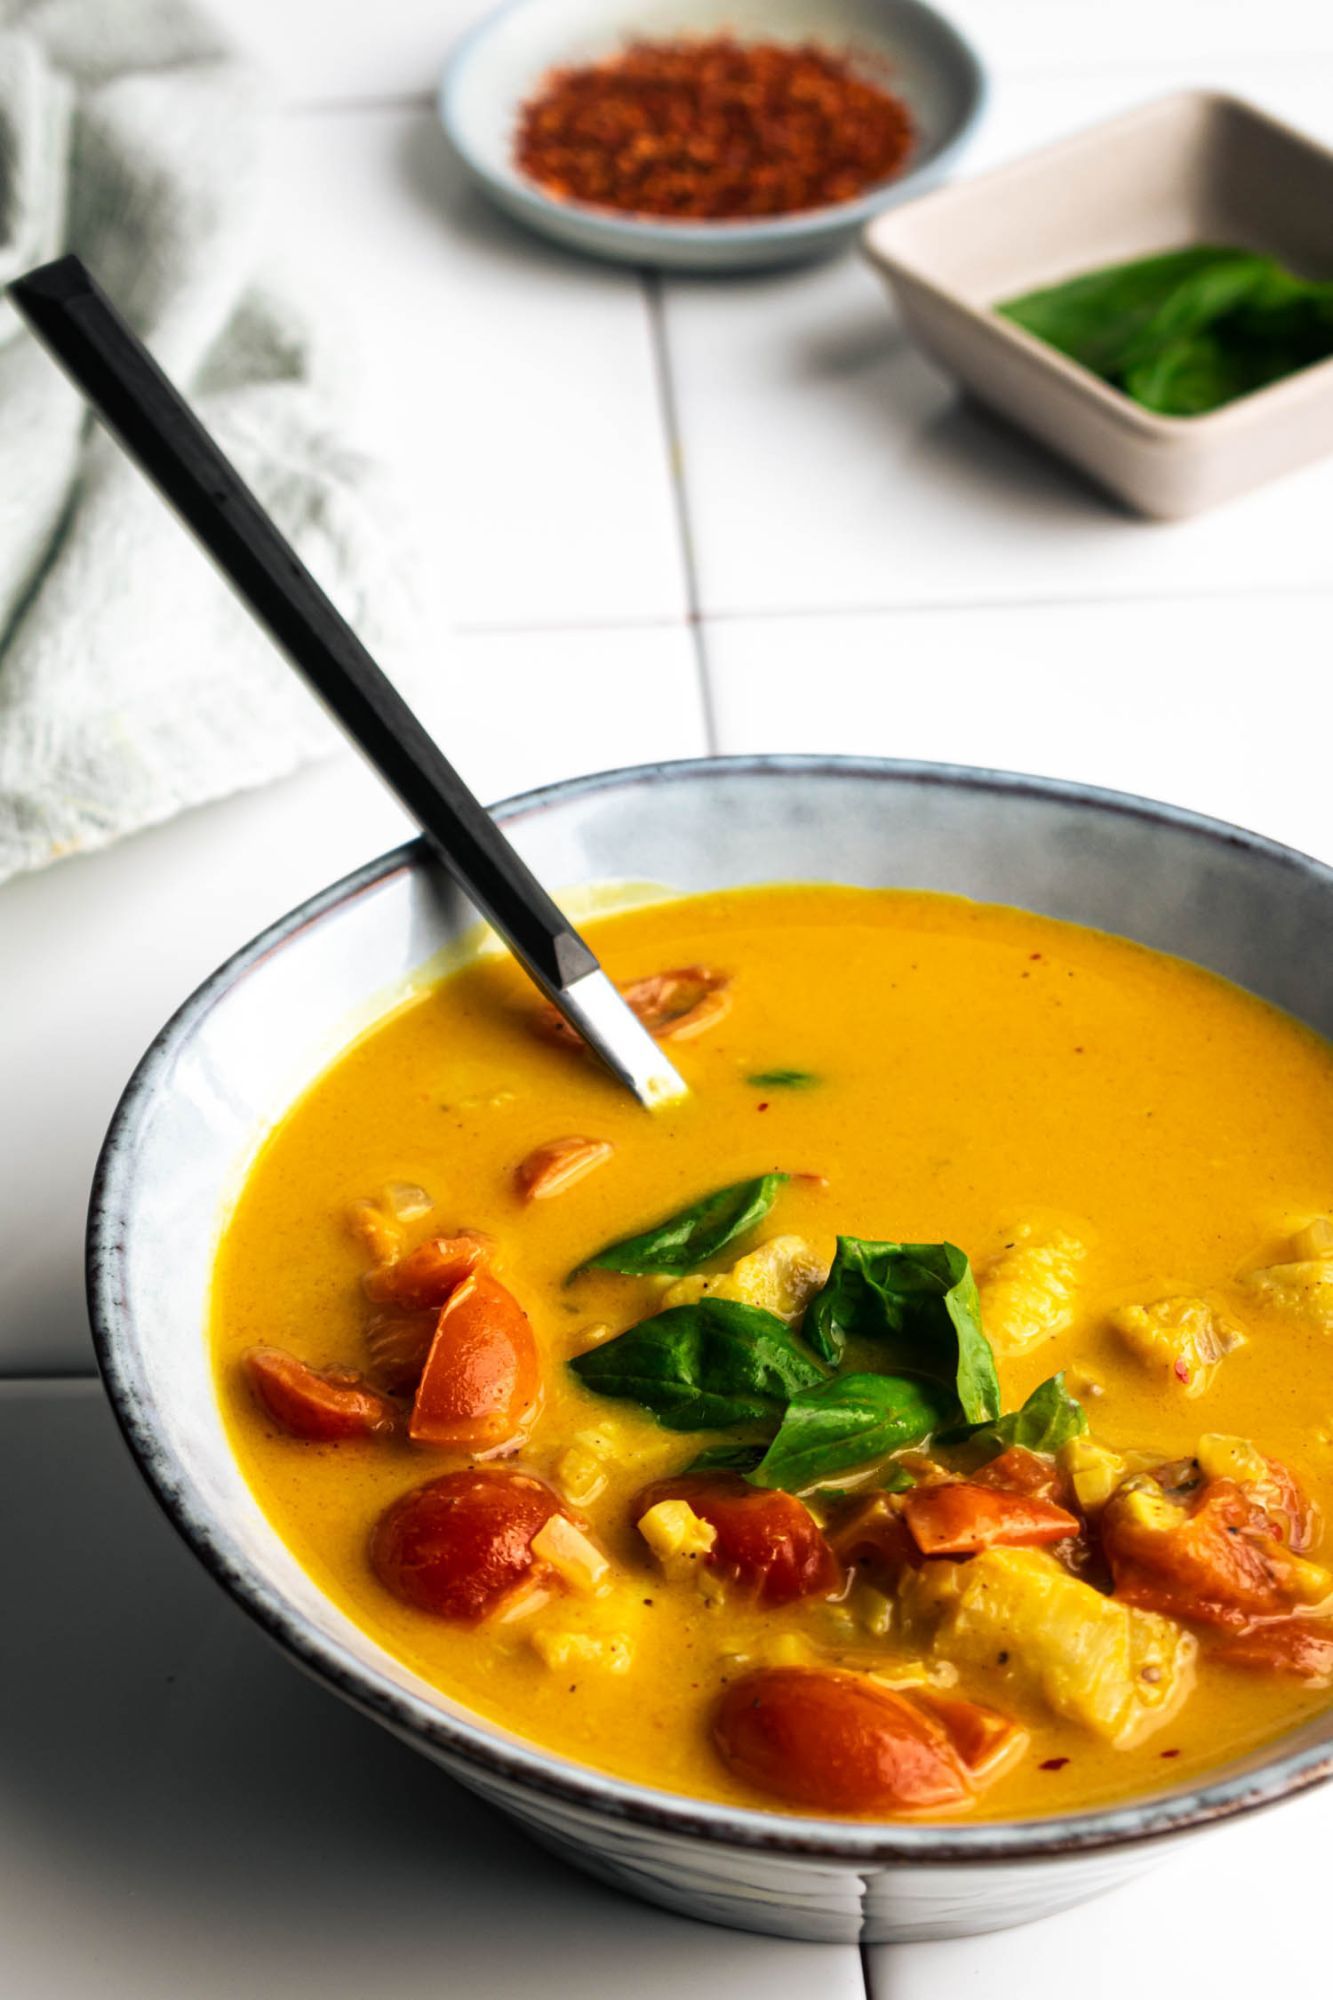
(783, 1079)
(703, 1367)
(1049, 1419)
(924, 1296)
(1187, 332)
(846, 1422)
(684, 1241)
(727, 1458)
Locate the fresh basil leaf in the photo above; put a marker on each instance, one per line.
(727, 1458)
(1187, 332)
(1096, 317)
(703, 1367)
(690, 1238)
(1048, 1419)
(846, 1422)
(783, 1079)
(897, 1479)
(924, 1294)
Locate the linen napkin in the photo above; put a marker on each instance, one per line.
(131, 683)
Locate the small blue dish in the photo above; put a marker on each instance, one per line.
(499, 64)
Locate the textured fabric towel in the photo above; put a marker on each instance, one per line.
(131, 683)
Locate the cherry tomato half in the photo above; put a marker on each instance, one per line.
(841, 1743)
(766, 1542)
(957, 1518)
(1019, 1470)
(481, 1383)
(323, 1405)
(1214, 1561)
(460, 1547)
(427, 1275)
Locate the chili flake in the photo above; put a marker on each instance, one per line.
(708, 128)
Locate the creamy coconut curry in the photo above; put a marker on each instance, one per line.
(931, 1415)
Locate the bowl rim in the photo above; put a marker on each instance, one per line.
(609, 227)
(897, 265)
(470, 1741)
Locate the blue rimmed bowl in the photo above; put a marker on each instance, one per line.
(500, 63)
(262, 1028)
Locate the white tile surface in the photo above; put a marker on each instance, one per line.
(1206, 1919)
(1156, 698)
(828, 464)
(185, 1817)
(512, 389)
(99, 950)
(397, 47)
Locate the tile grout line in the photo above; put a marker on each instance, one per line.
(655, 304)
(1079, 601)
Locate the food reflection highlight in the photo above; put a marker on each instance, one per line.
(644, 1436)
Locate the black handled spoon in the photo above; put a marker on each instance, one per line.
(148, 416)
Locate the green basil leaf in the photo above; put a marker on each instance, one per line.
(923, 1294)
(1048, 1419)
(727, 1458)
(897, 1479)
(703, 1367)
(846, 1422)
(783, 1079)
(690, 1238)
(1187, 332)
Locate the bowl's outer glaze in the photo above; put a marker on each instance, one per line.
(265, 1025)
(500, 61)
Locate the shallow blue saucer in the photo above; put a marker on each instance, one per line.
(500, 62)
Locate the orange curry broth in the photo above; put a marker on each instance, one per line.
(976, 1064)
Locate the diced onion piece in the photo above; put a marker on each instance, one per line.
(576, 1560)
(406, 1201)
(676, 1534)
(580, 1474)
(565, 1652)
(377, 1232)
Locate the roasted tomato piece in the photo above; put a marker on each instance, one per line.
(766, 1542)
(1301, 1647)
(461, 1546)
(398, 1344)
(841, 1743)
(959, 1517)
(427, 1275)
(1206, 1552)
(480, 1386)
(871, 1534)
(322, 1404)
(1019, 1470)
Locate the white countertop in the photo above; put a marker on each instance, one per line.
(875, 568)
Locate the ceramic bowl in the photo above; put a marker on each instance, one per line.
(260, 1030)
(1197, 167)
(501, 62)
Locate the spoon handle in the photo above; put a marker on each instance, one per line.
(75, 320)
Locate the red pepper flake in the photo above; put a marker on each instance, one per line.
(1168, 1753)
(1053, 1764)
(707, 127)
(1180, 1369)
(1034, 954)
(763, 1106)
